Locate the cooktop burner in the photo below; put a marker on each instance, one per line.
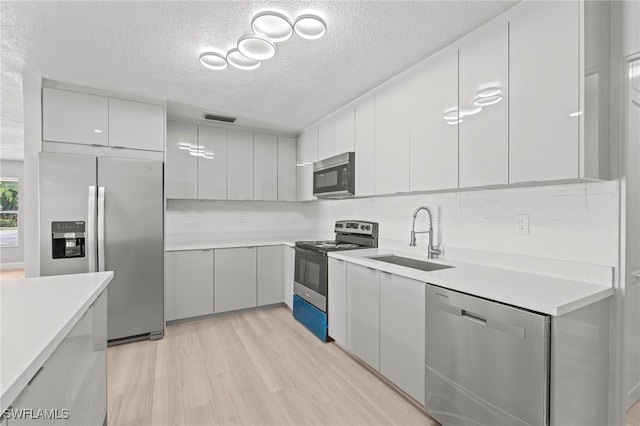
(328, 245)
(350, 235)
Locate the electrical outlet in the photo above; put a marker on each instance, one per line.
(523, 223)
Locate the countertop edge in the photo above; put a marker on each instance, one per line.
(13, 391)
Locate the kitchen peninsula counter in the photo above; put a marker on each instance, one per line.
(37, 314)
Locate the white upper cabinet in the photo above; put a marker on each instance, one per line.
(434, 141)
(307, 153)
(136, 125)
(286, 169)
(181, 168)
(265, 167)
(75, 117)
(392, 113)
(212, 165)
(545, 112)
(364, 146)
(239, 165)
(326, 139)
(484, 106)
(344, 130)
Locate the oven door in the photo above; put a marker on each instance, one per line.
(310, 277)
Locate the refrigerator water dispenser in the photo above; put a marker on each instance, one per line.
(67, 239)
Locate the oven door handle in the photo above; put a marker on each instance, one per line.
(311, 252)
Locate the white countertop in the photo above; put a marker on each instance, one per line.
(256, 241)
(548, 295)
(36, 314)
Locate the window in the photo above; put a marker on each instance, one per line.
(8, 212)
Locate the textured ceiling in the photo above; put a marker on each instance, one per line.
(151, 48)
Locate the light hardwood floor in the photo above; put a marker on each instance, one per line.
(11, 274)
(260, 367)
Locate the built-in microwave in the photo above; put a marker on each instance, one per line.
(335, 177)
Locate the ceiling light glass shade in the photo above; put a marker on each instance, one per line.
(273, 25)
(489, 92)
(489, 100)
(455, 121)
(256, 47)
(470, 110)
(310, 27)
(238, 60)
(213, 61)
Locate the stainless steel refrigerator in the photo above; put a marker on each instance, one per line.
(106, 214)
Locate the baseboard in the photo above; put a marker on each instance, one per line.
(633, 396)
(16, 265)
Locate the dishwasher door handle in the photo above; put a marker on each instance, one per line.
(473, 317)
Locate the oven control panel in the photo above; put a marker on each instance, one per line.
(356, 227)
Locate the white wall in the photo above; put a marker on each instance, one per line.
(575, 222)
(13, 257)
(197, 220)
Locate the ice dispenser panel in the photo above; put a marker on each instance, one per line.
(67, 239)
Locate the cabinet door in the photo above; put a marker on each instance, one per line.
(270, 275)
(239, 165)
(75, 117)
(392, 109)
(212, 165)
(265, 167)
(363, 314)
(189, 278)
(326, 139)
(307, 153)
(74, 378)
(344, 128)
(181, 167)
(289, 269)
(544, 116)
(235, 279)
(402, 333)
(286, 169)
(337, 293)
(484, 133)
(364, 147)
(434, 140)
(136, 125)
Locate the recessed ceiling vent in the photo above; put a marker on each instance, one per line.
(221, 118)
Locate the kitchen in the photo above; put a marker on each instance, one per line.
(496, 180)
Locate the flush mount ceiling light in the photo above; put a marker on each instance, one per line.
(256, 47)
(310, 27)
(213, 61)
(470, 110)
(455, 121)
(486, 101)
(273, 25)
(489, 92)
(238, 60)
(452, 114)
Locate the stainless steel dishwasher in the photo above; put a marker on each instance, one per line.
(486, 363)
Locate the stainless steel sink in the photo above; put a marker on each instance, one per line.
(423, 265)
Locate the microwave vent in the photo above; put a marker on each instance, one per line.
(220, 118)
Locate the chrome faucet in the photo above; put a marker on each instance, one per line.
(432, 251)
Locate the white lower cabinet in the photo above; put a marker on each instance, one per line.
(189, 283)
(363, 314)
(337, 289)
(235, 279)
(270, 275)
(289, 262)
(402, 333)
(72, 383)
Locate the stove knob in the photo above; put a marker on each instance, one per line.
(368, 227)
(362, 227)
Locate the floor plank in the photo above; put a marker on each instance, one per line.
(254, 368)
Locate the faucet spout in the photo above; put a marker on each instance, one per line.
(432, 251)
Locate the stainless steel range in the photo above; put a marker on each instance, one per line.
(311, 271)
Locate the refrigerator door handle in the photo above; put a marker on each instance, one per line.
(101, 265)
(91, 229)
